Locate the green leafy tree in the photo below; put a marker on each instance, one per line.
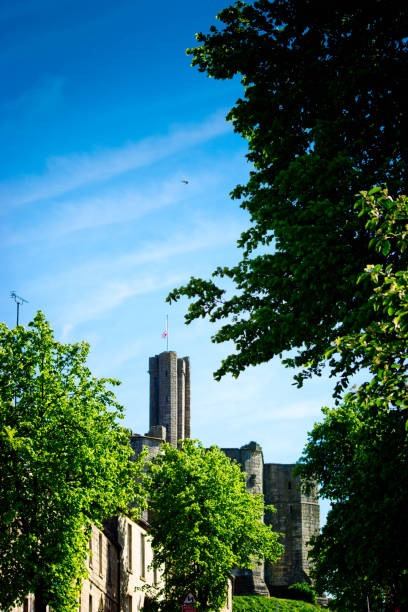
(325, 116)
(64, 462)
(204, 523)
(382, 346)
(359, 454)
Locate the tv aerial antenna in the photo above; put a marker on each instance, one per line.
(19, 301)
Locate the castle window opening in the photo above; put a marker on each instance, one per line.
(129, 547)
(90, 551)
(100, 553)
(291, 508)
(155, 578)
(109, 555)
(90, 604)
(128, 603)
(142, 556)
(289, 484)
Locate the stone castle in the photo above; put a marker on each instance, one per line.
(297, 516)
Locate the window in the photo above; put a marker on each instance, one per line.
(90, 604)
(26, 602)
(109, 554)
(129, 547)
(128, 603)
(100, 553)
(142, 556)
(90, 551)
(289, 484)
(155, 580)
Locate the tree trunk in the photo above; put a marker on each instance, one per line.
(40, 603)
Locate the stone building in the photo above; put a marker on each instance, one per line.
(297, 516)
(118, 565)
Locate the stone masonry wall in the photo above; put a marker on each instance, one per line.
(187, 407)
(154, 417)
(250, 458)
(181, 398)
(310, 525)
(100, 592)
(163, 393)
(170, 395)
(297, 518)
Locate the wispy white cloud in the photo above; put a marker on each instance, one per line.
(64, 174)
(109, 296)
(110, 206)
(250, 398)
(103, 284)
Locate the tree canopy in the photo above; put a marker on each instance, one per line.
(64, 462)
(204, 523)
(359, 453)
(324, 114)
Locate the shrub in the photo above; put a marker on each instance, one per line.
(303, 592)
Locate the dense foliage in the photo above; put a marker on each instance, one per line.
(324, 114)
(303, 592)
(325, 117)
(359, 453)
(204, 523)
(360, 456)
(64, 462)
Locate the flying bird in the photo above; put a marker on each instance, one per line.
(185, 181)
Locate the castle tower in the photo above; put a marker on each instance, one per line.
(298, 518)
(170, 395)
(250, 458)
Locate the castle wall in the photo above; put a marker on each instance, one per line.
(170, 395)
(297, 518)
(181, 398)
(250, 458)
(187, 407)
(310, 525)
(152, 443)
(154, 417)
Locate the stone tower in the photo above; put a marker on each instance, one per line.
(297, 518)
(250, 458)
(170, 395)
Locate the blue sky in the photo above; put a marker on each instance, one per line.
(101, 119)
